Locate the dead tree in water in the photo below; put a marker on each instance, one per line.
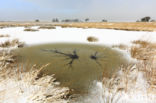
(96, 58)
(70, 56)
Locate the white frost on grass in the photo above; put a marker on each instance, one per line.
(129, 85)
(77, 35)
(25, 88)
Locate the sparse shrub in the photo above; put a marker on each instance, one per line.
(92, 39)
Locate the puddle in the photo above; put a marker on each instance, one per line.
(91, 64)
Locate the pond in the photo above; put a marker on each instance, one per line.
(75, 65)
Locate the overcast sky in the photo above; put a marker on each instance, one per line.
(112, 10)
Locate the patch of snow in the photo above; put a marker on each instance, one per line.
(78, 35)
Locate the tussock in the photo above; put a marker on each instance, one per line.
(47, 27)
(2, 35)
(30, 29)
(92, 39)
(12, 43)
(120, 46)
(6, 60)
(143, 50)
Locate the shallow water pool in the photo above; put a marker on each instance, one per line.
(75, 65)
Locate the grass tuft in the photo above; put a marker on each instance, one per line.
(47, 27)
(92, 39)
(30, 29)
(12, 43)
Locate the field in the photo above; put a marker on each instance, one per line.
(131, 26)
(132, 83)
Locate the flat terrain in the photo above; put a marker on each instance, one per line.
(130, 26)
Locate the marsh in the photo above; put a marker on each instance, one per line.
(75, 66)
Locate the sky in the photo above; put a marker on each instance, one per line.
(96, 10)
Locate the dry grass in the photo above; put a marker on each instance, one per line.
(6, 60)
(130, 26)
(13, 43)
(19, 84)
(47, 27)
(2, 35)
(134, 82)
(120, 46)
(92, 39)
(30, 29)
(144, 50)
(28, 87)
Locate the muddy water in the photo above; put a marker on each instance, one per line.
(79, 74)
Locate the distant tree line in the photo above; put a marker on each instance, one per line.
(70, 20)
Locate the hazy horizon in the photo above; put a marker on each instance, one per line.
(96, 10)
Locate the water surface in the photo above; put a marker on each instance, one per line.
(80, 74)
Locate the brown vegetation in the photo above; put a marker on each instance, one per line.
(131, 26)
(120, 46)
(133, 78)
(30, 29)
(47, 27)
(12, 43)
(19, 83)
(92, 39)
(144, 50)
(2, 35)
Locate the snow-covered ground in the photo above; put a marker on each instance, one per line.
(76, 35)
(79, 35)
